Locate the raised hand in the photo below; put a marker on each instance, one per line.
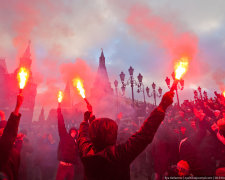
(18, 103)
(167, 100)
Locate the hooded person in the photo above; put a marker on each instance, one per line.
(102, 158)
(67, 150)
(9, 154)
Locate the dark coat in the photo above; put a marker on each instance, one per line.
(204, 153)
(67, 149)
(113, 162)
(9, 153)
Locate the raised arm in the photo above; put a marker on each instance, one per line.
(61, 124)
(10, 132)
(128, 151)
(84, 143)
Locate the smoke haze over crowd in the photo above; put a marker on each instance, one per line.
(67, 37)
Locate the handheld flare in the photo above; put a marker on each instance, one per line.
(79, 85)
(181, 68)
(22, 77)
(60, 96)
(174, 86)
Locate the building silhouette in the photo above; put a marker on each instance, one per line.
(102, 86)
(9, 89)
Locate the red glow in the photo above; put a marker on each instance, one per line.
(22, 77)
(181, 68)
(60, 96)
(79, 85)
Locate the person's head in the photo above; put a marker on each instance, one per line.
(220, 172)
(103, 132)
(193, 123)
(73, 132)
(223, 113)
(181, 113)
(221, 126)
(183, 130)
(183, 168)
(217, 113)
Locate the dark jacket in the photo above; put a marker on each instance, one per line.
(9, 154)
(203, 152)
(67, 149)
(113, 162)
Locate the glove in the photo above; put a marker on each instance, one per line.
(92, 118)
(167, 100)
(87, 116)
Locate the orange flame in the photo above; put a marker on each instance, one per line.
(181, 68)
(22, 77)
(78, 83)
(223, 93)
(60, 96)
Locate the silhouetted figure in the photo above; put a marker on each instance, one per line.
(102, 158)
(67, 150)
(9, 153)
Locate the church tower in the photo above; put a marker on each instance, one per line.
(102, 85)
(25, 60)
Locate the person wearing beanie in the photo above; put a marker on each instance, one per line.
(67, 150)
(102, 158)
(183, 168)
(9, 155)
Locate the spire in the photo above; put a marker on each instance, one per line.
(101, 83)
(27, 53)
(102, 54)
(25, 60)
(102, 60)
(42, 115)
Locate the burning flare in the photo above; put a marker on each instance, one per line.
(181, 68)
(60, 96)
(22, 77)
(77, 83)
(223, 93)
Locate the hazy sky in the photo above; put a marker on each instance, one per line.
(140, 33)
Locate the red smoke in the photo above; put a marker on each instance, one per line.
(78, 69)
(219, 77)
(151, 27)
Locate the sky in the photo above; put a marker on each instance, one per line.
(149, 35)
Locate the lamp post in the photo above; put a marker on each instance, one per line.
(154, 93)
(205, 95)
(181, 81)
(141, 86)
(130, 81)
(195, 95)
(200, 92)
(116, 88)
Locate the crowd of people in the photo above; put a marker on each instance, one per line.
(173, 141)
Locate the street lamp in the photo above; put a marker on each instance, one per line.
(154, 93)
(205, 95)
(116, 88)
(181, 87)
(130, 81)
(200, 92)
(196, 95)
(141, 86)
